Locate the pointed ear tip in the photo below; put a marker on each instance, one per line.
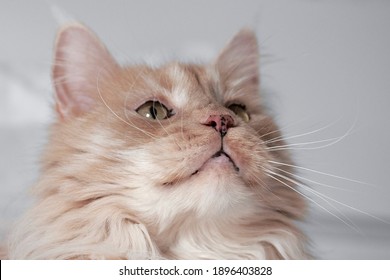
(72, 27)
(247, 33)
(247, 30)
(72, 32)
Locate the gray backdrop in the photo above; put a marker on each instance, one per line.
(325, 74)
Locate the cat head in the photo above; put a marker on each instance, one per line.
(170, 142)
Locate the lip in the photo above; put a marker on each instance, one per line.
(220, 153)
(223, 153)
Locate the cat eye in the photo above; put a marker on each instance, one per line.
(240, 111)
(154, 110)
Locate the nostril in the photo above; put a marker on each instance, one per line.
(220, 123)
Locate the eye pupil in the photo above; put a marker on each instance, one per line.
(153, 112)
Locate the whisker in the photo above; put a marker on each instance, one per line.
(181, 127)
(323, 196)
(316, 193)
(303, 134)
(150, 81)
(271, 132)
(320, 172)
(278, 130)
(311, 181)
(353, 208)
(264, 185)
(125, 110)
(271, 173)
(167, 133)
(287, 146)
(116, 115)
(336, 140)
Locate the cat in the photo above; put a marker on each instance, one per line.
(168, 162)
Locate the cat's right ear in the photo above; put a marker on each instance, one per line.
(80, 60)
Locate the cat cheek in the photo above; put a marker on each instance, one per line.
(249, 155)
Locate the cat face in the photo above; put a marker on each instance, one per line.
(175, 161)
(173, 142)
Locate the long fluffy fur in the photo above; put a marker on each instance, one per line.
(115, 185)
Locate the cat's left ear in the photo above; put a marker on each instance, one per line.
(80, 62)
(238, 64)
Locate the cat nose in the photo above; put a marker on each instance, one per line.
(220, 123)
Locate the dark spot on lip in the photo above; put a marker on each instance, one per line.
(219, 153)
(196, 171)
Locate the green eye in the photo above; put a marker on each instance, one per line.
(240, 111)
(154, 110)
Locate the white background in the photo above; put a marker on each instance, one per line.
(281, 270)
(325, 64)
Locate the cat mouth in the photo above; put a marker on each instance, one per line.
(219, 157)
(222, 153)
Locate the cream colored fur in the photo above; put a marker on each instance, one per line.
(116, 185)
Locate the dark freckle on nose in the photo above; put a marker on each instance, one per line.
(220, 123)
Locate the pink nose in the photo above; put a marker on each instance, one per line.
(220, 123)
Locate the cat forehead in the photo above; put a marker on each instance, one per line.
(187, 81)
(180, 84)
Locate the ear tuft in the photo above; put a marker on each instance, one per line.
(80, 59)
(238, 63)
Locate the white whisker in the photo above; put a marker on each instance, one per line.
(336, 140)
(125, 109)
(323, 196)
(316, 193)
(311, 181)
(167, 133)
(279, 130)
(319, 172)
(115, 114)
(287, 146)
(303, 134)
(264, 185)
(271, 173)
